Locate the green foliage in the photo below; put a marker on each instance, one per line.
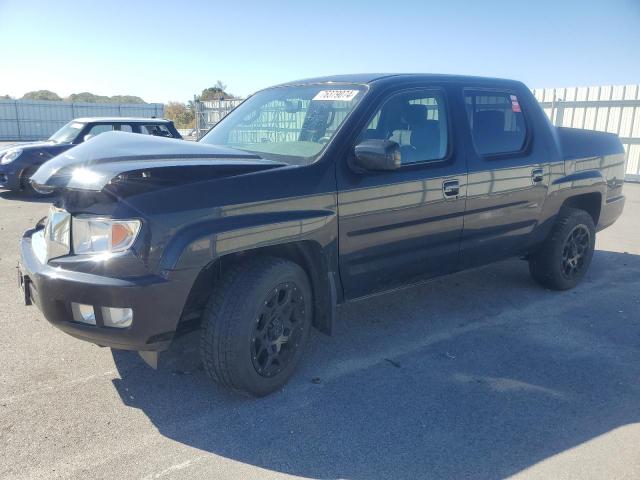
(181, 114)
(217, 92)
(80, 97)
(5, 97)
(125, 99)
(87, 97)
(41, 95)
(92, 98)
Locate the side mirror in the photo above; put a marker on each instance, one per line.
(87, 137)
(377, 155)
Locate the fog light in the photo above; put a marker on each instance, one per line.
(83, 313)
(117, 317)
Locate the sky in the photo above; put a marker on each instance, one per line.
(170, 50)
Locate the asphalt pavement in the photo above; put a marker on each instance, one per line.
(480, 375)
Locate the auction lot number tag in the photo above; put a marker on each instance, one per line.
(342, 95)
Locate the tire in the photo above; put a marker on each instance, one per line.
(565, 256)
(256, 324)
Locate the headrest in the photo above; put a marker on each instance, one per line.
(427, 135)
(414, 114)
(489, 121)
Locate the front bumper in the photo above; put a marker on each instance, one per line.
(157, 301)
(10, 177)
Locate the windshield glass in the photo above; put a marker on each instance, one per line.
(68, 133)
(287, 124)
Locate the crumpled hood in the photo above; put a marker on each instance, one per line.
(119, 156)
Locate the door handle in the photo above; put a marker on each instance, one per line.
(451, 188)
(537, 175)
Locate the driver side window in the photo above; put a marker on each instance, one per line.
(95, 130)
(417, 121)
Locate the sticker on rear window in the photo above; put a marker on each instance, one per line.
(342, 95)
(515, 106)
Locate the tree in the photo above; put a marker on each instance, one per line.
(181, 115)
(41, 95)
(126, 99)
(87, 97)
(93, 98)
(78, 97)
(5, 97)
(217, 92)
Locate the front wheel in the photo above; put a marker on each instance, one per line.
(566, 254)
(256, 325)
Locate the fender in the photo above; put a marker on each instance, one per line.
(563, 187)
(199, 244)
(204, 244)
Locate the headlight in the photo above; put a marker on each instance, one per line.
(103, 235)
(10, 155)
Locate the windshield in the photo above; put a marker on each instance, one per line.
(287, 124)
(68, 133)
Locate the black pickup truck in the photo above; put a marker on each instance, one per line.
(306, 196)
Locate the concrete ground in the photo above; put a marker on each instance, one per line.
(479, 375)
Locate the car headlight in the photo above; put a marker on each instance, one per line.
(103, 235)
(10, 155)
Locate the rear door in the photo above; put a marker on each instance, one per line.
(402, 226)
(508, 175)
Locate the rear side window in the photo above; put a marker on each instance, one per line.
(417, 121)
(496, 120)
(157, 130)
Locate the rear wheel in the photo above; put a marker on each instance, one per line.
(566, 254)
(256, 325)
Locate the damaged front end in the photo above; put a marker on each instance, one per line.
(114, 159)
(93, 266)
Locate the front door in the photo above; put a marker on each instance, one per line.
(402, 226)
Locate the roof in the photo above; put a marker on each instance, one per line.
(369, 78)
(120, 120)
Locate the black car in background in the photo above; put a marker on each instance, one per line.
(19, 161)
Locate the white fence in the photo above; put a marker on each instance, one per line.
(38, 119)
(614, 109)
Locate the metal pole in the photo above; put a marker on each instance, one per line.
(624, 94)
(197, 116)
(606, 121)
(15, 106)
(633, 117)
(560, 115)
